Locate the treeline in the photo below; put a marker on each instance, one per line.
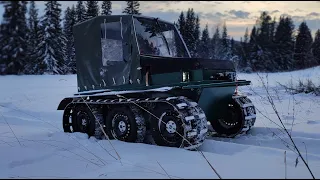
(277, 46)
(45, 45)
(271, 46)
(200, 44)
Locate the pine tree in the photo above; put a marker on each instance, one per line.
(272, 29)
(253, 49)
(80, 12)
(52, 39)
(132, 8)
(272, 46)
(225, 43)
(316, 47)
(244, 51)
(203, 49)
(224, 38)
(66, 34)
(34, 65)
(92, 9)
(14, 32)
(190, 27)
(182, 24)
(69, 50)
(253, 35)
(265, 60)
(196, 37)
(302, 54)
(232, 47)
(211, 48)
(278, 39)
(284, 43)
(106, 8)
(264, 23)
(216, 44)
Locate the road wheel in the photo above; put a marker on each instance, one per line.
(83, 120)
(125, 125)
(232, 123)
(166, 129)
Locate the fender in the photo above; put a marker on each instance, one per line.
(64, 103)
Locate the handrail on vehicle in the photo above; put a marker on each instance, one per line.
(221, 84)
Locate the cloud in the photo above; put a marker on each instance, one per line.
(270, 13)
(169, 15)
(298, 18)
(314, 14)
(239, 14)
(287, 15)
(295, 11)
(167, 4)
(275, 11)
(218, 16)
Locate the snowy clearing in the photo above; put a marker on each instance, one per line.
(39, 148)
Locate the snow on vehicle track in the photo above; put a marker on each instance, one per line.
(35, 146)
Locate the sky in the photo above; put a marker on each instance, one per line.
(238, 15)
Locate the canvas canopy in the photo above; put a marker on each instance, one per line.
(108, 49)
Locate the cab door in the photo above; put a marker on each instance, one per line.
(116, 58)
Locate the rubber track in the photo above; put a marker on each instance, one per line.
(249, 121)
(192, 115)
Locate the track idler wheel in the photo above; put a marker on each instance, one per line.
(125, 124)
(232, 122)
(67, 118)
(78, 118)
(165, 132)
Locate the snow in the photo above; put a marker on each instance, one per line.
(28, 104)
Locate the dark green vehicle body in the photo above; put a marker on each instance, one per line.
(111, 56)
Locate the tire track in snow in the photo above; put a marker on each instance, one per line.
(264, 138)
(232, 148)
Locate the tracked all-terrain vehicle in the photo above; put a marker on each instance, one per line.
(136, 79)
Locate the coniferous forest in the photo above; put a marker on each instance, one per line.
(31, 44)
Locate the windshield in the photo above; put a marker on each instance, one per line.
(158, 38)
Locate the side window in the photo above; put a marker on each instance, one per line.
(111, 42)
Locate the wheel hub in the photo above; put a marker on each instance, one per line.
(231, 118)
(171, 127)
(84, 122)
(250, 111)
(122, 126)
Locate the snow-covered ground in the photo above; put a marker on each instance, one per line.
(35, 146)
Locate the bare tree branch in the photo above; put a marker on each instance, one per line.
(284, 128)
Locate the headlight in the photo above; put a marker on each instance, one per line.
(185, 77)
